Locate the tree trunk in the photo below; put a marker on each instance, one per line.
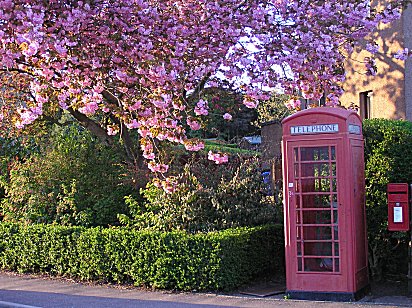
(92, 126)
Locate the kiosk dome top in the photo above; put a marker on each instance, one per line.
(331, 111)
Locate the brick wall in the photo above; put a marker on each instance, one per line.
(392, 87)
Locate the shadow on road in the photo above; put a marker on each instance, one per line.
(12, 298)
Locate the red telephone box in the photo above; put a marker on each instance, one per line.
(398, 207)
(324, 205)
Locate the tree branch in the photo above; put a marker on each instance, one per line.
(17, 70)
(200, 86)
(133, 155)
(92, 126)
(53, 120)
(130, 146)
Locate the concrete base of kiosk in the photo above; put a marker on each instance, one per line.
(329, 296)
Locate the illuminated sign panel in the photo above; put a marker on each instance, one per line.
(354, 129)
(314, 129)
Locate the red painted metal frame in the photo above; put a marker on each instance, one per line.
(351, 274)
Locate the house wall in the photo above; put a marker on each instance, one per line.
(392, 86)
(271, 133)
(407, 30)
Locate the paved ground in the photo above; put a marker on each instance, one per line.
(30, 292)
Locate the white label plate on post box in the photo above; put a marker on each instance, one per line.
(314, 129)
(397, 214)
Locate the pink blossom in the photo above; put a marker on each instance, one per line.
(293, 103)
(250, 103)
(167, 98)
(63, 105)
(98, 88)
(149, 156)
(132, 124)
(61, 50)
(201, 108)
(47, 73)
(19, 124)
(178, 106)
(144, 132)
(373, 48)
(37, 110)
(89, 108)
(41, 99)
(157, 183)
(194, 145)
(193, 124)
(112, 130)
(96, 63)
(305, 87)
(227, 116)
(169, 185)
(121, 75)
(146, 146)
(332, 100)
(308, 95)
(218, 158)
(135, 106)
(161, 136)
(402, 54)
(32, 49)
(155, 167)
(370, 65)
(29, 115)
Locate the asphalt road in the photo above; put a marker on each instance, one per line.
(30, 292)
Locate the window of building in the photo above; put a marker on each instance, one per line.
(322, 101)
(306, 103)
(365, 100)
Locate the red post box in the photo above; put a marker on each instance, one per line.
(324, 205)
(398, 207)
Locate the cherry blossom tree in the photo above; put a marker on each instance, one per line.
(123, 65)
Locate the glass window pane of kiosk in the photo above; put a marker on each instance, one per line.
(316, 209)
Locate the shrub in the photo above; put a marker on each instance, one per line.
(388, 156)
(173, 260)
(73, 180)
(12, 149)
(216, 146)
(210, 197)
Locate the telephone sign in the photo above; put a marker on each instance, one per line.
(314, 129)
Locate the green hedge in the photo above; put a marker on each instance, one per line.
(175, 260)
(388, 156)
